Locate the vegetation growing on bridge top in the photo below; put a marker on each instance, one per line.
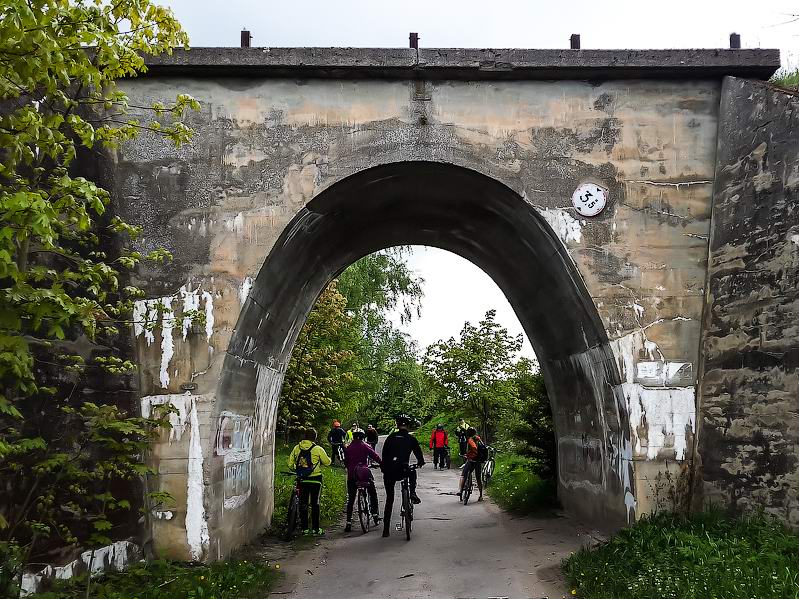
(702, 556)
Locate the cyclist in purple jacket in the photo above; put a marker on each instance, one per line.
(356, 458)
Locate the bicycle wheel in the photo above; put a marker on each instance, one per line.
(363, 510)
(292, 517)
(407, 512)
(467, 488)
(488, 472)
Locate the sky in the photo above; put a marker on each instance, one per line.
(455, 290)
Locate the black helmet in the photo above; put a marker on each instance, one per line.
(471, 431)
(403, 420)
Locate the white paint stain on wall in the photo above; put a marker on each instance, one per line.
(196, 522)
(244, 290)
(178, 418)
(167, 343)
(565, 226)
(116, 556)
(660, 417)
(191, 303)
(146, 318)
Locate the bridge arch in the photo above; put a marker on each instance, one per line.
(484, 221)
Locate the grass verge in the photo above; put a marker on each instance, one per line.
(701, 556)
(787, 79)
(518, 489)
(173, 580)
(334, 493)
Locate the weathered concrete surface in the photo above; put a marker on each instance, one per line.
(466, 63)
(283, 187)
(749, 438)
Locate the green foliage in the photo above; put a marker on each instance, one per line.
(517, 487)
(475, 372)
(320, 363)
(787, 79)
(527, 424)
(334, 493)
(350, 361)
(61, 456)
(701, 556)
(231, 579)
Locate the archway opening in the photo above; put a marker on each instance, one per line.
(485, 222)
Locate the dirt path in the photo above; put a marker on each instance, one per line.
(473, 551)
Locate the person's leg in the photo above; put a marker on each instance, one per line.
(351, 493)
(316, 494)
(304, 496)
(435, 458)
(478, 469)
(389, 485)
(374, 508)
(412, 485)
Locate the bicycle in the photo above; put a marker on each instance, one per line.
(467, 485)
(363, 506)
(293, 513)
(338, 450)
(488, 466)
(406, 511)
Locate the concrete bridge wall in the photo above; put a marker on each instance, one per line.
(749, 438)
(271, 150)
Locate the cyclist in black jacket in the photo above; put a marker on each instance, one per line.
(336, 439)
(396, 454)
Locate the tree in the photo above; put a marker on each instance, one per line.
(63, 304)
(320, 363)
(475, 371)
(530, 420)
(378, 368)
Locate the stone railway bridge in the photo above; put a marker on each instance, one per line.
(666, 325)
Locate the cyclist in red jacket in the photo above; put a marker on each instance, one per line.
(439, 443)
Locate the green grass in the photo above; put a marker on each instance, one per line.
(334, 493)
(516, 487)
(703, 556)
(787, 79)
(173, 580)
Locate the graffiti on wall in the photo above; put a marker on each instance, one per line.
(234, 440)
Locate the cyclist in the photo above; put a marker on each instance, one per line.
(336, 439)
(372, 436)
(460, 432)
(396, 454)
(307, 454)
(472, 465)
(439, 443)
(350, 431)
(356, 457)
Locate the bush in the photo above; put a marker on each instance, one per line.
(334, 493)
(517, 488)
(173, 580)
(701, 556)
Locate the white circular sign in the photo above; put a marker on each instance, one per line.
(589, 199)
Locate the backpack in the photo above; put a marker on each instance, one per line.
(305, 466)
(482, 451)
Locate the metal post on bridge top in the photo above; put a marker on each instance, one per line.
(735, 41)
(246, 38)
(574, 41)
(413, 38)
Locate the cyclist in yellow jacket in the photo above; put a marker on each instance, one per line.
(307, 459)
